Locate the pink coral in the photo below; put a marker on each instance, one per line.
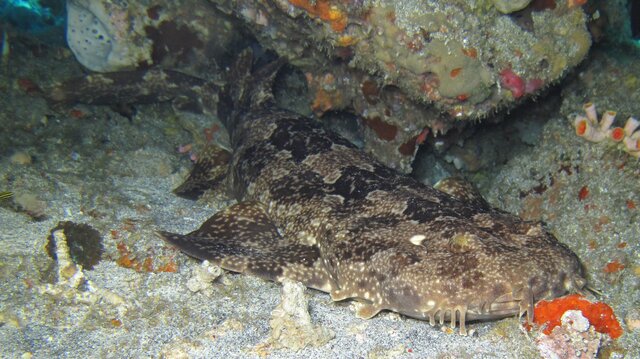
(517, 85)
(511, 81)
(533, 85)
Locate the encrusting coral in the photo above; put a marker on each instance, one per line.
(600, 315)
(574, 327)
(588, 127)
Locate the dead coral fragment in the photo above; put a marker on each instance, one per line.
(509, 6)
(575, 338)
(69, 273)
(72, 283)
(21, 158)
(84, 242)
(291, 325)
(31, 205)
(600, 315)
(588, 127)
(202, 278)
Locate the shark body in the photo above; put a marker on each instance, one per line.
(314, 208)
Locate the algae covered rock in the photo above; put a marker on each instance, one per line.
(109, 35)
(509, 6)
(412, 67)
(407, 69)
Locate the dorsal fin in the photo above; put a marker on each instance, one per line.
(262, 83)
(245, 90)
(209, 172)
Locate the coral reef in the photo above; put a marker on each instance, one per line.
(402, 67)
(427, 49)
(445, 60)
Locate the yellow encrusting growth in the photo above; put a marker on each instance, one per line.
(324, 10)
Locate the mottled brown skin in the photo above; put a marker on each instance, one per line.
(314, 208)
(155, 85)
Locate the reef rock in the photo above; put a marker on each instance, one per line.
(406, 69)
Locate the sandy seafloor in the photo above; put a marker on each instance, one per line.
(116, 174)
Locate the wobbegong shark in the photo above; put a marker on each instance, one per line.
(314, 208)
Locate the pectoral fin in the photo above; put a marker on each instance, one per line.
(209, 172)
(243, 239)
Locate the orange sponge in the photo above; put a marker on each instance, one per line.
(599, 314)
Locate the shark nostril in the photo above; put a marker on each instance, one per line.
(576, 283)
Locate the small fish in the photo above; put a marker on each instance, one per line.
(5, 195)
(314, 208)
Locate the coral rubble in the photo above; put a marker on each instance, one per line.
(291, 325)
(575, 338)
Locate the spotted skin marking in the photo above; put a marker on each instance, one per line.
(316, 209)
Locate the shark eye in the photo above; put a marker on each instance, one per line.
(417, 239)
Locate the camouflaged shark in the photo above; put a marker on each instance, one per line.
(314, 208)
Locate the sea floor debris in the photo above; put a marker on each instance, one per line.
(291, 325)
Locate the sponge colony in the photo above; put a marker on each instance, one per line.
(105, 37)
(509, 6)
(88, 38)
